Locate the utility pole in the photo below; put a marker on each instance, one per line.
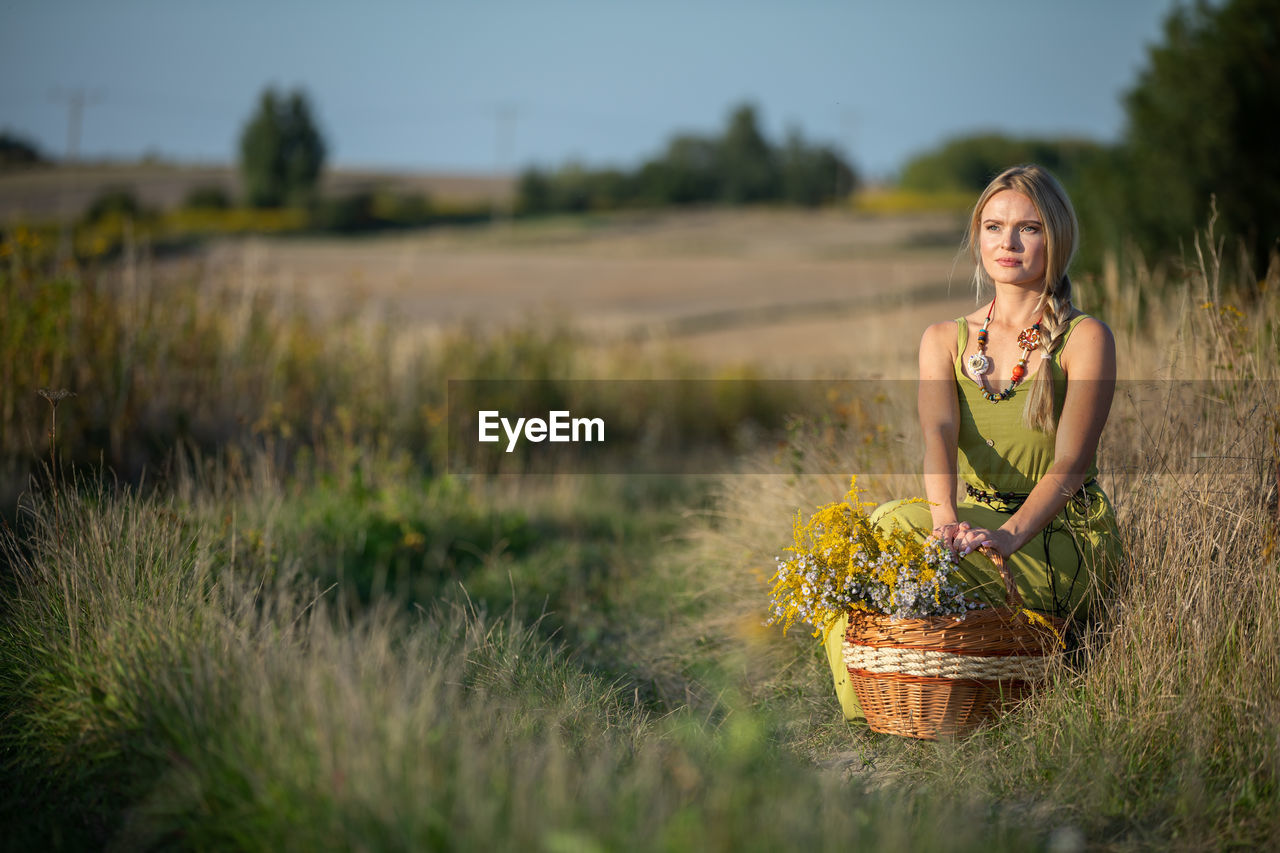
(848, 123)
(504, 146)
(76, 100)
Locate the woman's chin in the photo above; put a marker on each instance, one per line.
(1015, 276)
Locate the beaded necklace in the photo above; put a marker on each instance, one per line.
(979, 364)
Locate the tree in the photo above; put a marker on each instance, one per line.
(281, 152)
(262, 154)
(749, 171)
(738, 167)
(17, 151)
(1201, 123)
(813, 175)
(534, 194)
(687, 173)
(304, 151)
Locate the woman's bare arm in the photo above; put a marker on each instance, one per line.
(939, 420)
(1089, 360)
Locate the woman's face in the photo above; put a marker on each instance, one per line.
(1011, 239)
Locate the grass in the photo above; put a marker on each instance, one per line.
(184, 692)
(309, 637)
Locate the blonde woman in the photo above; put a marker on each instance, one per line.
(1012, 400)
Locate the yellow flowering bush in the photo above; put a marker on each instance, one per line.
(840, 561)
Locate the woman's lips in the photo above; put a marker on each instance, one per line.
(1009, 262)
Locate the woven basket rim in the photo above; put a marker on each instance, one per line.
(978, 653)
(991, 631)
(943, 681)
(972, 617)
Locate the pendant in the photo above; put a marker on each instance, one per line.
(978, 364)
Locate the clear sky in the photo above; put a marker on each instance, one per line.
(492, 85)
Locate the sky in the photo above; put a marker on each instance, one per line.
(498, 85)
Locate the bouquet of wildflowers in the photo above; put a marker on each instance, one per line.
(840, 561)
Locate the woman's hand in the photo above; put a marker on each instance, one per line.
(973, 538)
(949, 534)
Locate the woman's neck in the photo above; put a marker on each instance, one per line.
(1017, 305)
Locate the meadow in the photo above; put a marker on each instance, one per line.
(248, 604)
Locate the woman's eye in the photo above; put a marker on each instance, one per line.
(1031, 229)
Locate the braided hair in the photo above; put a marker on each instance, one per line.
(1061, 235)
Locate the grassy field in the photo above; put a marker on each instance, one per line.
(283, 624)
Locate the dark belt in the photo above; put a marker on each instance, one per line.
(1013, 501)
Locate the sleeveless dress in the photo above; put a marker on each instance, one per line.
(1059, 570)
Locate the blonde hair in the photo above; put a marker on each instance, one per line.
(1061, 235)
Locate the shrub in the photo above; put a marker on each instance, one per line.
(117, 202)
(17, 151)
(207, 197)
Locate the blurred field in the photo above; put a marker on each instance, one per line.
(39, 194)
(795, 292)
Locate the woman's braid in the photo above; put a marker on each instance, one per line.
(1056, 305)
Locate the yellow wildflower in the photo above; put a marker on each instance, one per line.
(840, 561)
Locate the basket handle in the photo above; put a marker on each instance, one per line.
(1011, 596)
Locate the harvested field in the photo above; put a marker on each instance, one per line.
(804, 292)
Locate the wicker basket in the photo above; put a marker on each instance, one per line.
(943, 676)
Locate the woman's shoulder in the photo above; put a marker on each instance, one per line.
(939, 350)
(941, 336)
(1089, 343)
(1086, 327)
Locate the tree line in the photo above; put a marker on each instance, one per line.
(740, 166)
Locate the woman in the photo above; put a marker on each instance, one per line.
(1012, 400)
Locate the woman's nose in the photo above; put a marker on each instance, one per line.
(1010, 240)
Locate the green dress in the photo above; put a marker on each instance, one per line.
(1056, 572)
